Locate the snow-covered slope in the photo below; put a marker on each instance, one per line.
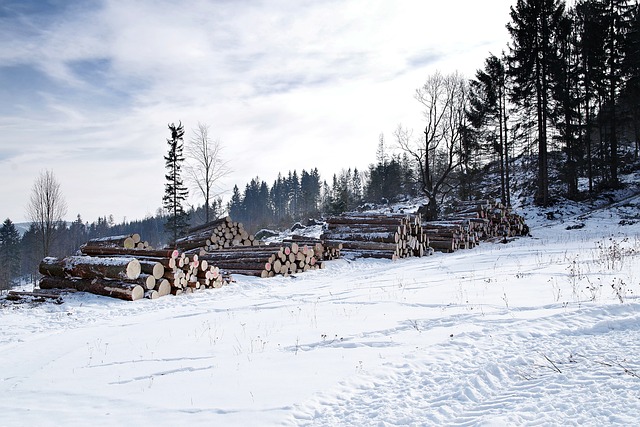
(540, 331)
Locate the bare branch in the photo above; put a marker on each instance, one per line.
(46, 207)
(206, 168)
(438, 153)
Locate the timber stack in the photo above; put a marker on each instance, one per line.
(182, 273)
(192, 273)
(470, 222)
(117, 277)
(265, 260)
(218, 234)
(324, 251)
(370, 235)
(106, 267)
(156, 264)
(450, 235)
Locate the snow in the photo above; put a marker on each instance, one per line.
(540, 331)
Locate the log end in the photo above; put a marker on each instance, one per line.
(137, 293)
(134, 269)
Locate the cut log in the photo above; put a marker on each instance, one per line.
(369, 219)
(109, 251)
(151, 294)
(123, 268)
(347, 244)
(98, 286)
(363, 236)
(443, 245)
(231, 265)
(256, 273)
(154, 268)
(362, 253)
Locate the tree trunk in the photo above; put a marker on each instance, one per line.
(98, 286)
(123, 268)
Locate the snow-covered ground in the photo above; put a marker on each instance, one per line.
(540, 331)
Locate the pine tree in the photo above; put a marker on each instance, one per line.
(236, 205)
(175, 190)
(9, 254)
(533, 30)
(487, 114)
(591, 32)
(617, 27)
(265, 211)
(356, 186)
(310, 192)
(565, 91)
(631, 70)
(294, 194)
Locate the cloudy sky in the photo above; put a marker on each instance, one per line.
(87, 88)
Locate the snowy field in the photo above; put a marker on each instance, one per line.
(540, 331)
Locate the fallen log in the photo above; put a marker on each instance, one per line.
(122, 268)
(366, 245)
(443, 245)
(127, 241)
(98, 286)
(255, 273)
(363, 253)
(363, 236)
(109, 251)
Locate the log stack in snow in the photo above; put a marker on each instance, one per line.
(469, 223)
(323, 251)
(265, 260)
(154, 264)
(106, 267)
(192, 273)
(389, 236)
(175, 272)
(218, 234)
(117, 277)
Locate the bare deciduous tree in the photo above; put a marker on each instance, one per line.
(438, 154)
(206, 167)
(46, 207)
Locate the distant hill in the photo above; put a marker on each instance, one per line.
(22, 227)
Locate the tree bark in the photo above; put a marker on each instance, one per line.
(98, 286)
(122, 268)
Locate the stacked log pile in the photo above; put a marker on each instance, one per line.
(182, 273)
(106, 267)
(218, 234)
(469, 223)
(389, 236)
(191, 273)
(324, 251)
(118, 277)
(265, 260)
(450, 235)
(154, 263)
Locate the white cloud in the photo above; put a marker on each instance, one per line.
(284, 84)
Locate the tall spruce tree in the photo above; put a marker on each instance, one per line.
(617, 20)
(9, 254)
(565, 90)
(487, 114)
(591, 32)
(533, 30)
(631, 69)
(175, 191)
